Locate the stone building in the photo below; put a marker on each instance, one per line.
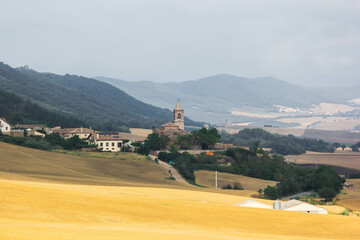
(175, 128)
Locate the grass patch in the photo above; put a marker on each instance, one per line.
(109, 155)
(170, 178)
(195, 184)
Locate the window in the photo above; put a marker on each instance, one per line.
(112, 144)
(113, 149)
(6, 128)
(107, 144)
(101, 144)
(119, 144)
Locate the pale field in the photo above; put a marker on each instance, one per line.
(207, 178)
(257, 115)
(305, 122)
(355, 100)
(331, 108)
(342, 159)
(345, 124)
(61, 196)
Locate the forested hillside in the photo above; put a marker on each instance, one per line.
(96, 103)
(17, 110)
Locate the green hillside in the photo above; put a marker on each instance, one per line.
(17, 110)
(96, 103)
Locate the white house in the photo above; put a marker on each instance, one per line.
(5, 127)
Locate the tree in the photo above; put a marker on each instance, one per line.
(271, 193)
(55, 139)
(74, 143)
(185, 141)
(206, 138)
(327, 193)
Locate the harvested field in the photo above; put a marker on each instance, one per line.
(54, 196)
(350, 198)
(342, 159)
(30, 164)
(207, 178)
(33, 210)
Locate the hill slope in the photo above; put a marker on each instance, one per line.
(17, 110)
(144, 206)
(98, 104)
(223, 93)
(26, 163)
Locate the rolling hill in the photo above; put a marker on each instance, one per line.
(60, 196)
(216, 96)
(96, 103)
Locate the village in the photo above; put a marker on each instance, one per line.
(108, 141)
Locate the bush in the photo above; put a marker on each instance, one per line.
(228, 186)
(271, 193)
(238, 186)
(32, 143)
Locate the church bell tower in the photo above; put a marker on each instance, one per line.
(179, 116)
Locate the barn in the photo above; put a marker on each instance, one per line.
(299, 206)
(254, 204)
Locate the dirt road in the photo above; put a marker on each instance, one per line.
(172, 170)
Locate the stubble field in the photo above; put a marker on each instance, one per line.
(342, 159)
(59, 196)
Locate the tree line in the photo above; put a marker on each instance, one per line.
(284, 145)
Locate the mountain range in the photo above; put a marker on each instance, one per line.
(213, 98)
(96, 103)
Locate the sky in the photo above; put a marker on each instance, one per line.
(307, 42)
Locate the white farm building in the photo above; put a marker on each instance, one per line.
(292, 205)
(254, 204)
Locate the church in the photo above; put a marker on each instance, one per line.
(177, 127)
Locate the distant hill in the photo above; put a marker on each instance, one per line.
(98, 104)
(217, 95)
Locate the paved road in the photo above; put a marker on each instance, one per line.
(178, 177)
(298, 195)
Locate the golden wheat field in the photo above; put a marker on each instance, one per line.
(60, 196)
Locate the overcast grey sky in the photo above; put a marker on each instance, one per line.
(306, 42)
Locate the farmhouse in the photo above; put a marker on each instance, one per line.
(114, 141)
(5, 127)
(83, 133)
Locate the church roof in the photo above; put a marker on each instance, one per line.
(178, 106)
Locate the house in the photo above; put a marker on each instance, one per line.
(5, 127)
(291, 205)
(114, 141)
(109, 142)
(82, 133)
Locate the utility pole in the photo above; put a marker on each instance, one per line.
(215, 179)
